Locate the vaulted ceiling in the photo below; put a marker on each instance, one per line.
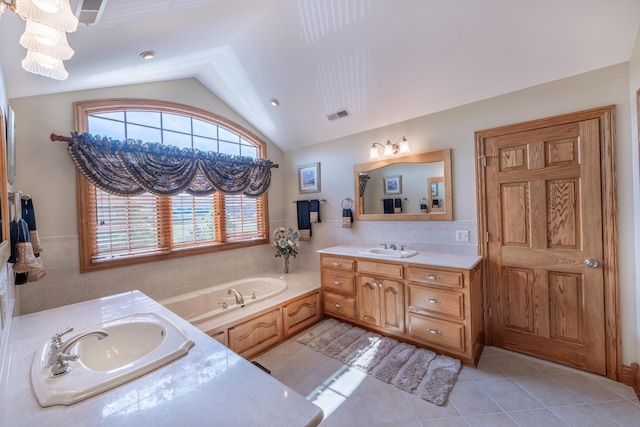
(384, 61)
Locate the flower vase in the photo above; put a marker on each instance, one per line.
(286, 264)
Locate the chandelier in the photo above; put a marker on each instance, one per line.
(45, 36)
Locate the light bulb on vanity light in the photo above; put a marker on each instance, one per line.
(389, 149)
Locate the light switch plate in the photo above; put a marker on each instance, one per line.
(462, 235)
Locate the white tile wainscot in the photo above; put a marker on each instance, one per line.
(211, 385)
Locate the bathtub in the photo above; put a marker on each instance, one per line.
(205, 304)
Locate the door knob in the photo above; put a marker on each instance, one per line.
(591, 263)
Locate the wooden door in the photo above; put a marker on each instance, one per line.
(545, 251)
(392, 308)
(368, 296)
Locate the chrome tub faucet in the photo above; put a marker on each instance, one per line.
(239, 299)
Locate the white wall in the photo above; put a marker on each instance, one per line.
(45, 171)
(455, 129)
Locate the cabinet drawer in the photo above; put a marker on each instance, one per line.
(340, 305)
(339, 282)
(439, 332)
(436, 277)
(436, 301)
(381, 269)
(340, 263)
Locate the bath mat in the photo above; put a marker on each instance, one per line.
(414, 370)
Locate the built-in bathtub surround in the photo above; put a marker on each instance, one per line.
(199, 306)
(297, 284)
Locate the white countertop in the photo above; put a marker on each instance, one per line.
(209, 386)
(436, 259)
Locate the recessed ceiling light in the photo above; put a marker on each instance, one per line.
(148, 54)
(274, 102)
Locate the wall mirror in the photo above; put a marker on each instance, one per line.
(409, 188)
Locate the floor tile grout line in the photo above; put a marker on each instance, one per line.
(524, 390)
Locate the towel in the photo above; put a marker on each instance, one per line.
(397, 205)
(27, 267)
(29, 216)
(304, 219)
(314, 211)
(347, 218)
(387, 205)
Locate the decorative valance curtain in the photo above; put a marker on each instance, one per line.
(130, 168)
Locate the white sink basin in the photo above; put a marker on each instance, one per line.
(136, 345)
(390, 253)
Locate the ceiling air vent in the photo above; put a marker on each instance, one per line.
(88, 11)
(338, 115)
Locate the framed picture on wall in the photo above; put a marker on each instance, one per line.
(309, 178)
(392, 184)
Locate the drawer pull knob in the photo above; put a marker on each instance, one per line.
(434, 332)
(432, 277)
(337, 282)
(433, 301)
(336, 264)
(338, 305)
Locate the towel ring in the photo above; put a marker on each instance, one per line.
(349, 201)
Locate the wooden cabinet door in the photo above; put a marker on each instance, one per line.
(381, 303)
(368, 297)
(544, 218)
(256, 335)
(392, 305)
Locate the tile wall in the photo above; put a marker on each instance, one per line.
(64, 283)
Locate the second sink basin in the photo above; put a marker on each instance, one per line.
(126, 343)
(390, 253)
(136, 345)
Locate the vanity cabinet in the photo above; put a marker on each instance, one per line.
(431, 306)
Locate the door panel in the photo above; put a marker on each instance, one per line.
(392, 310)
(544, 219)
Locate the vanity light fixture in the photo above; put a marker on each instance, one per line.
(148, 54)
(400, 147)
(45, 36)
(274, 102)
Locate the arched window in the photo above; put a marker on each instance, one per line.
(117, 231)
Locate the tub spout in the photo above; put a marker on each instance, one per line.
(239, 299)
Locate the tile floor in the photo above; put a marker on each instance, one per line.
(507, 389)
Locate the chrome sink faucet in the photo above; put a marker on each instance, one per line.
(59, 352)
(239, 299)
(393, 246)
